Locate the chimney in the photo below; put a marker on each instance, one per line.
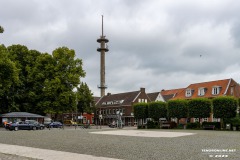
(142, 90)
(108, 94)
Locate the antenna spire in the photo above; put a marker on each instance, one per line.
(102, 25)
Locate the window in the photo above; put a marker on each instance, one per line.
(232, 89)
(195, 119)
(123, 110)
(92, 119)
(84, 119)
(109, 111)
(145, 100)
(216, 119)
(204, 119)
(113, 111)
(139, 100)
(215, 90)
(201, 91)
(188, 93)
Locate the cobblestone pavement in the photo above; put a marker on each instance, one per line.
(80, 141)
(13, 157)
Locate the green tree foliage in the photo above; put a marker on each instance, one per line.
(85, 99)
(24, 60)
(224, 107)
(178, 109)
(1, 29)
(199, 108)
(157, 110)
(140, 110)
(8, 77)
(58, 88)
(39, 83)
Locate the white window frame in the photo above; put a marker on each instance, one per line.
(188, 92)
(215, 90)
(196, 120)
(216, 119)
(204, 119)
(201, 91)
(232, 91)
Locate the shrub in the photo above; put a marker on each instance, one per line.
(157, 110)
(177, 109)
(195, 125)
(152, 125)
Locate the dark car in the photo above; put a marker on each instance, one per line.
(55, 125)
(39, 126)
(22, 126)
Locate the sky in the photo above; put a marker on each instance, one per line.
(157, 44)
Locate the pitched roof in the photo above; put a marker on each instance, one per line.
(208, 89)
(20, 114)
(171, 93)
(125, 98)
(168, 97)
(153, 96)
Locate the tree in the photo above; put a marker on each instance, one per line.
(8, 77)
(140, 111)
(199, 108)
(85, 99)
(22, 92)
(157, 110)
(224, 107)
(58, 87)
(1, 29)
(178, 109)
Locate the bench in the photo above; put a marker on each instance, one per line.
(209, 127)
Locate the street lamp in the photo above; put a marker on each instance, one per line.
(119, 119)
(132, 115)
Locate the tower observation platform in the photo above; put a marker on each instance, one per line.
(102, 49)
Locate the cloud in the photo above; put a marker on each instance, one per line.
(153, 44)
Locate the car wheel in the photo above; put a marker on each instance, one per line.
(15, 128)
(34, 128)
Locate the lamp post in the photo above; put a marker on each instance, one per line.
(119, 119)
(132, 115)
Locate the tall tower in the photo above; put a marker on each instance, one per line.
(103, 48)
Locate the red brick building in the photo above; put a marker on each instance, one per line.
(211, 89)
(109, 105)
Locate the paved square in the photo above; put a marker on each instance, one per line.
(139, 133)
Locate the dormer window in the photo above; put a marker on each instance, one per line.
(216, 90)
(201, 91)
(188, 93)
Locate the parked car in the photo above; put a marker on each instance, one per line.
(39, 126)
(55, 125)
(70, 123)
(22, 126)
